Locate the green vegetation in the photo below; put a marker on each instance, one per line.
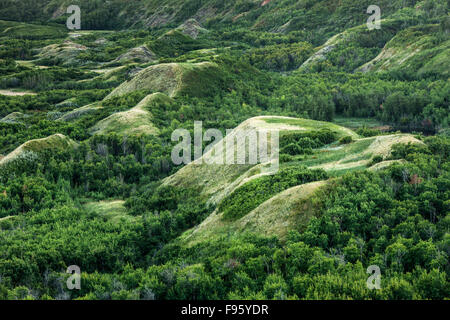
(416, 52)
(11, 29)
(278, 58)
(136, 121)
(353, 47)
(284, 212)
(252, 194)
(56, 142)
(346, 140)
(175, 43)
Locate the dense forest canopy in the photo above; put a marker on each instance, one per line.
(87, 178)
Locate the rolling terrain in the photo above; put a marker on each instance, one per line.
(360, 175)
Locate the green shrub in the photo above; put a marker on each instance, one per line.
(368, 132)
(375, 160)
(291, 149)
(346, 140)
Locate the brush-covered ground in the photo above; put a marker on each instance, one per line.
(87, 179)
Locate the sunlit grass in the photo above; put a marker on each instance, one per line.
(113, 210)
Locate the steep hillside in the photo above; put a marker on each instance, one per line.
(256, 199)
(176, 42)
(353, 47)
(278, 210)
(354, 172)
(422, 51)
(192, 28)
(139, 54)
(31, 149)
(79, 112)
(136, 121)
(30, 31)
(15, 117)
(113, 210)
(218, 181)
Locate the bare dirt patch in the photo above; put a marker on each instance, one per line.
(16, 93)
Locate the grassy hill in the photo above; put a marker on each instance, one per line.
(272, 15)
(27, 31)
(244, 206)
(361, 177)
(353, 47)
(217, 181)
(357, 154)
(290, 209)
(32, 148)
(136, 121)
(65, 54)
(113, 210)
(15, 117)
(418, 50)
